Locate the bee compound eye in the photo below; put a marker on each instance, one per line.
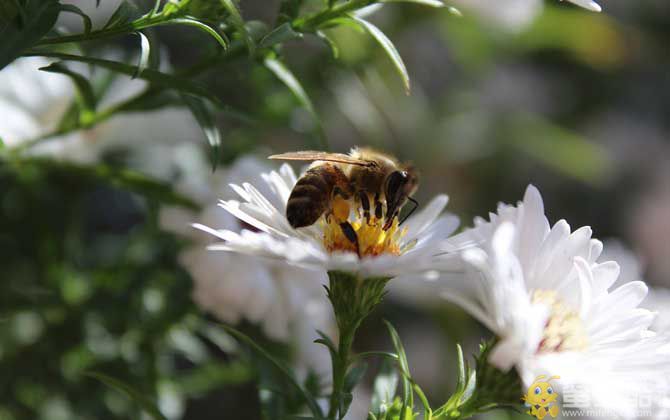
(538, 390)
(550, 391)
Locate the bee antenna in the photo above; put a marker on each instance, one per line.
(416, 205)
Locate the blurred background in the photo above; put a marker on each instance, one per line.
(94, 278)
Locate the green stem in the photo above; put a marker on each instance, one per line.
(99, 34)
(353, 299)
(341, 363)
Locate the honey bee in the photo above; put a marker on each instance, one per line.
(375, 182)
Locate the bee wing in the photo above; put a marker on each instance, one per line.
(311, 155)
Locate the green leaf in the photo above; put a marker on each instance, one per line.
(309, 399)
(147, 405)
(74, 9)
(286, 76)
(326, 341)
(239, 25)
(353, 377)
(123, 15)
(34, 20)
(204, 114)
(408, 398)
(153, 76)
(330, 42)
(280, 34)
(431, 3)
(289, 10)
(388, 47)
(145, 54)
(85, 95)
(460, 383)
(189, 21)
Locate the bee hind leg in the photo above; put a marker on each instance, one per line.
(351, 235)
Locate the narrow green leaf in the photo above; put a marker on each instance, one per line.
(238, 23)
(12, 10)
(330, 42)
(286, 76)
(85, 94)
(153, 76)
(470, 387)
(431, 3)
(428, 412)
(189, 21)
(156, 8)
(309, 399)
(205, 117)
(289, 10)
(71, 8)
(388, 47)
(280, 34)
(34, 20)
(147, 405)
(145, 54)
(354, 376)
(460, 384)
(123, 15)
(408, 396)
(326, 341)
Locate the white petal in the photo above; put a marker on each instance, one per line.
(587, 4)
(418, 223)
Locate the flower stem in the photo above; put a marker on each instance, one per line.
(353, 299)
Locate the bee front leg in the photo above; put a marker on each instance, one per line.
(365, 204)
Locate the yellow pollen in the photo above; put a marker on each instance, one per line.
(372, 238)
(564, 330)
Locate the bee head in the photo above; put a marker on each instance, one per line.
(399, 186)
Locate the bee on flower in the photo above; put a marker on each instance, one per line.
(341, 215)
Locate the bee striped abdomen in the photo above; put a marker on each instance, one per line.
(311, 195)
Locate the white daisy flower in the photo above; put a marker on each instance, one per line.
(288, 303)
(400, 250)
(542, 292)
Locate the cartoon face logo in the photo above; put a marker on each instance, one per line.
(541, 398)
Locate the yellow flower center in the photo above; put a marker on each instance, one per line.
(371, 238)
(564, 330)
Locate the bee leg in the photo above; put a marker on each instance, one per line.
(365, 203)
(350, 233)
(379, 210)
